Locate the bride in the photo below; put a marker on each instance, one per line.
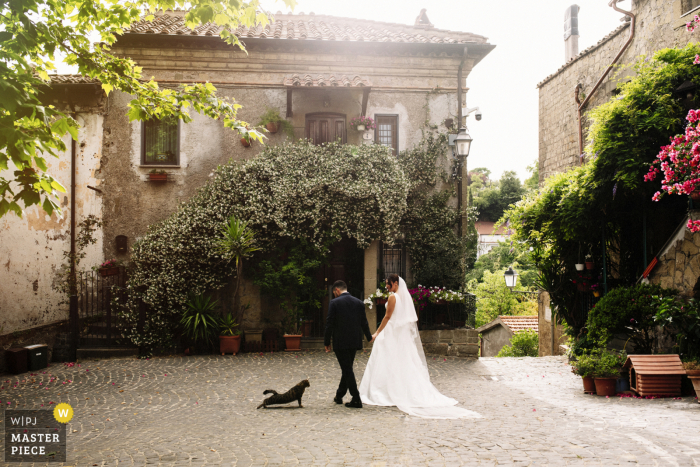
(397, 373)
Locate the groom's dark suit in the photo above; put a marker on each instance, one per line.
(346, 323)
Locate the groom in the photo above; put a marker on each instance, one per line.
(347, 323)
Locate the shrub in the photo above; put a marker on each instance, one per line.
(523, 344)
(627, 311)
(584, 366)
(681, 319)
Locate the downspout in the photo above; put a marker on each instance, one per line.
(73, 311)
(580, 105)
(460, 93)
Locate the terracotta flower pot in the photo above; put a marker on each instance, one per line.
(109, 271)
(158, 177)
(308, 328)
(588, 384)
(245, 142)
(695, 195)
(605, 386)
(692, 372)
(441, 302)
(293, 342)
(590, 265)
(580, 286)
(272, 127)
(229, 344)
(381, 301)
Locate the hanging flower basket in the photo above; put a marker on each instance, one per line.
(590, 265)
(579, 266)
(362, 123)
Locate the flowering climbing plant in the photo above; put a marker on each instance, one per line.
(680, 164)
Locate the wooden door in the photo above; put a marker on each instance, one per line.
(325, 128)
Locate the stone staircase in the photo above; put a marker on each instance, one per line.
(94, 344)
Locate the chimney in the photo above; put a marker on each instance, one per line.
(571, 32)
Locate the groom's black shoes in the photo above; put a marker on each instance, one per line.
(354, 404)
(338, 400)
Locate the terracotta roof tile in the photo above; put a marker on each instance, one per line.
(73, 79)
(310, 27)
(326, 80)
(520, 323)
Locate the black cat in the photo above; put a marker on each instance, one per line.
(294, 394)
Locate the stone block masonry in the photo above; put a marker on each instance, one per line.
(456, 343)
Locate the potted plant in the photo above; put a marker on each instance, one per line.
(273, 122)
(379, 297)
(199, 321)
(245, 140)
(607, 370)
(692, 367)
(109, 268)
(362, 123)
(595, 288)
(253, 335)
(589, 262)
(158, 176)
(443, 296)
(229, 335)
(291, 323)
(579, 266)
(584, 367)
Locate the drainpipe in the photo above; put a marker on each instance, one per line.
(460, 93)
(73, 312)
(580, 105)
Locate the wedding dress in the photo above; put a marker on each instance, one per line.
(397, 372)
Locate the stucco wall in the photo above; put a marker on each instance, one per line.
(32, 247)
(493, 340)
(544, 328)
(659, 25)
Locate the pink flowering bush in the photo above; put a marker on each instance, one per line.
(690, 25)
(366, 121)
(680, 164)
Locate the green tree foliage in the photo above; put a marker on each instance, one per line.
(607, 198)
(494, 299)
(627, 312)
(34, 32)
(533, 182)
(495, 197)
(524, 343)
(505, 254)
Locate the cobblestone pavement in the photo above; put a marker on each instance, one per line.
(201, 411)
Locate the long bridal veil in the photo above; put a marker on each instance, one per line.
(397, 371)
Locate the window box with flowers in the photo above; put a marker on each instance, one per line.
(362, 123)
(379, 297)
(109, 268)
(157, 176)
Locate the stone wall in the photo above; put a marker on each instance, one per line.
(456, 343)
(660, 24)
(54, 335)
(544, 327)
(679, 261)
(494, 339)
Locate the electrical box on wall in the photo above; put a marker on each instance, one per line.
(122, 244)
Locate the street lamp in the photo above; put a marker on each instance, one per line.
(463, 143)
(511, 278)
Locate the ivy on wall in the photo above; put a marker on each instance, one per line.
(296, 194)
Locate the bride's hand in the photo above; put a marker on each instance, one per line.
(374, 336)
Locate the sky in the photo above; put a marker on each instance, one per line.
(529, 39)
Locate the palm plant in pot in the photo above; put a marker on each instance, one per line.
(229, 335)
(237, 243)
(291, 325)
(199, 322)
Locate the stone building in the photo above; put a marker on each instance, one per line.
(498, 333)
(659, 24)
(317, 71)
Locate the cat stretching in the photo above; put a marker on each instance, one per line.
(294, 394)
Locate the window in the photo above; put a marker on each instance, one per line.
(393, 259)
(387, 132)
(688, 5)
(160, 142)
(325, 128)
